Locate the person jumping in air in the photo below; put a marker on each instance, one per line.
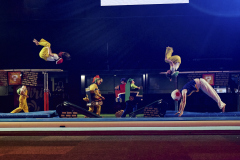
(194, 86)
(47, 55)
(174, 62)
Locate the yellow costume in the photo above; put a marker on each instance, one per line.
(168, 55)
(44, 53)
(96, 97)
(22, 103)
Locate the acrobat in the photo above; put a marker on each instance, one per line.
(22, 100)
(194, 86)
(174, 62)
(47, 55)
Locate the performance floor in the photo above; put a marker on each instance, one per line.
(159, 147)
(191, 124)
(197, 136)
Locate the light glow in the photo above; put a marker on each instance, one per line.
(139, 2)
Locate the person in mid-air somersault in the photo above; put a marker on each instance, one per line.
(47, 55)
(174, 62)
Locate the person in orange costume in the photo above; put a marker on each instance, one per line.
(22, 100)
(96, 96)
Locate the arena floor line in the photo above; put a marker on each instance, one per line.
(192, 123)
(230, 127)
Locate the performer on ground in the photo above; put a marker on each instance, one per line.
(194, 86)
(47, 55)
(22, 100)
(121, 87)
(95, 94)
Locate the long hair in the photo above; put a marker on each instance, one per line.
(65, 55)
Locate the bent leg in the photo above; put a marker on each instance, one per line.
(176, 65)
(207, 89)
(91, 109)
(44, 53)
(25, 107)
(127, 110)
(98, 110)
(19, 109)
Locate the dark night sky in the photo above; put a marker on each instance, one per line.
(205, 33)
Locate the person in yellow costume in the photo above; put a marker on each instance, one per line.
(47, 55)
(95, 94)
(174, 62)
(22, 100)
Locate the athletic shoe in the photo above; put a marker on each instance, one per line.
(59, 61)
(175, 73)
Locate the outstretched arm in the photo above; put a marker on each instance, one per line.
(183, 103)
(133, 86)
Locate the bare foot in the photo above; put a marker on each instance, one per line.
(177, 113)
(223, 109)
(180, 114)
(35, 41)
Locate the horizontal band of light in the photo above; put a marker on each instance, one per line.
(188, 72)
(139, 2)
(211, 128)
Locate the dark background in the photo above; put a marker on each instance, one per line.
(205, 33)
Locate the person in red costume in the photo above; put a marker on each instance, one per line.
(95, 95)
(121, 87)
